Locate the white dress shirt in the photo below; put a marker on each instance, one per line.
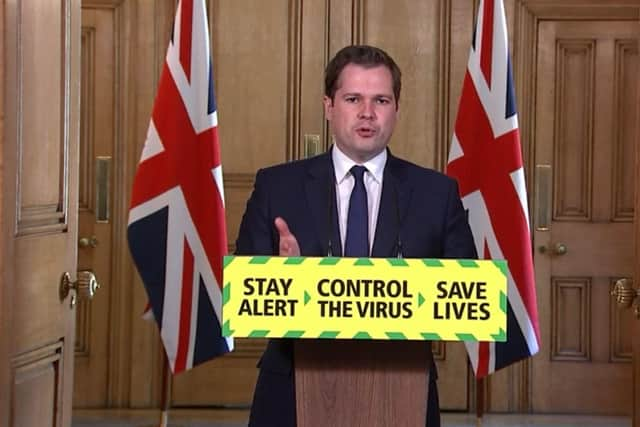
(345, 182)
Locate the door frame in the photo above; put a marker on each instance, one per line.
(635, 329)
(6, 258)
(4, 294)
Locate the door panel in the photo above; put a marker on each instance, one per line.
(585, 131)
(39, 204)
(95, 205)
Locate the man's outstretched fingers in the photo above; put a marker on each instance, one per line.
(288, 242)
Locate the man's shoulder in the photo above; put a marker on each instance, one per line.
(295, 169)
(414, 172)
(288, 167)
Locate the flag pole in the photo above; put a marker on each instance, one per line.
(166, 385)
(165, 402)
(479, 401)
(165, 393)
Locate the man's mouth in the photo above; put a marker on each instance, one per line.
(365, 132)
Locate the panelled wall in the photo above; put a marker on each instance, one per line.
(268, 69)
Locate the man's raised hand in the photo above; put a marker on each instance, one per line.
(288, 242)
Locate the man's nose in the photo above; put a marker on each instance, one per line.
(367, 110)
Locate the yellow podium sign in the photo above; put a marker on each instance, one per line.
(364, 298)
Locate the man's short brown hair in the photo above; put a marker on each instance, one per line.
(364, 56)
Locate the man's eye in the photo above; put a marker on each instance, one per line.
(351, 99)
(383, 101)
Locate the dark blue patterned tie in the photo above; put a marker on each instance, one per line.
(357, 240)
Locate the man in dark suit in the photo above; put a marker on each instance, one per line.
(309, 207)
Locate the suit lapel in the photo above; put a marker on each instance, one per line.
(320, 194)
(394, 201)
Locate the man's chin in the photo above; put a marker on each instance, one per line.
(367, 154)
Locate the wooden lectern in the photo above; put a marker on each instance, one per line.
(361, 382)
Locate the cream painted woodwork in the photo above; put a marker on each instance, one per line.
(585, 131)
(41, 63)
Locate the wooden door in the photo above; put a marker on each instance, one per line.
(635, 327)
(39, 207)
(585, 140)
(95, 204)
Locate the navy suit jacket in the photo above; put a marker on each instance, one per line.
(420, 216)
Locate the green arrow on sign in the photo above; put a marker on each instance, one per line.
(421, 299)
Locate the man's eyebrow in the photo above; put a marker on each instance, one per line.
(377, 95)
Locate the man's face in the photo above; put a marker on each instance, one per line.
(363, 112)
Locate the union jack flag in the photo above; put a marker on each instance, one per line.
(486, 159)
(177, 232)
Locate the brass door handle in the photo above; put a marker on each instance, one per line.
(85, 286)
(86, 242)
(558, 249)
(626, 295)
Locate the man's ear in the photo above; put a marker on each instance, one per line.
(328, 107)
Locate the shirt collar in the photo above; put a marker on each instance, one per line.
(343, 164)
